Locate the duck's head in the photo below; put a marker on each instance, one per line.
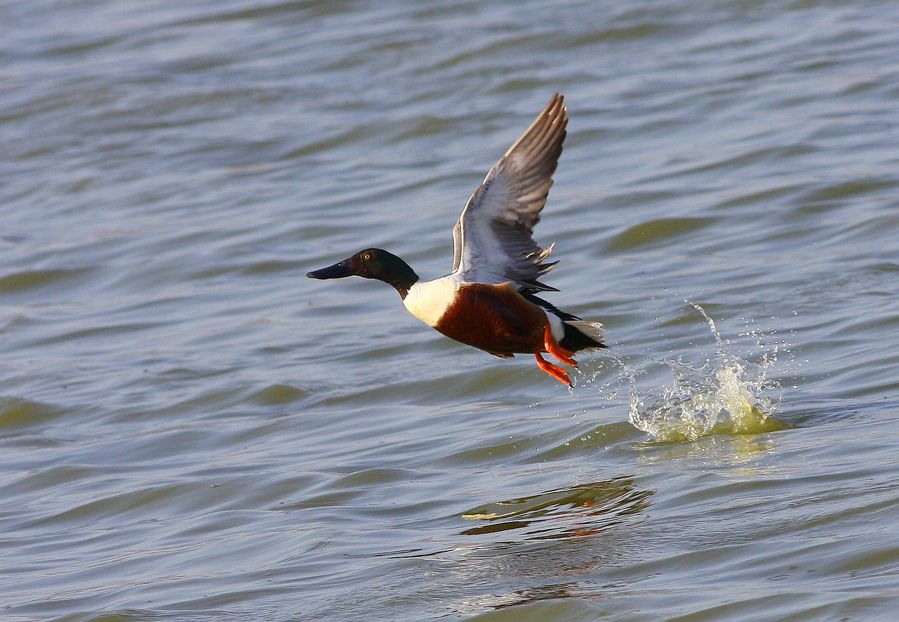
(372, 263)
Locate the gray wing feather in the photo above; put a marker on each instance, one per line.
(457, 244)
(492, 238)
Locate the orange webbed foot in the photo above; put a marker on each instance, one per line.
(552, 346)
(553, 370)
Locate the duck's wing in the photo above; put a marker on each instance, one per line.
(493, 242)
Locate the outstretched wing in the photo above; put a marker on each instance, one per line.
(493, 242)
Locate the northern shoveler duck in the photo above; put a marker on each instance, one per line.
(489, 300)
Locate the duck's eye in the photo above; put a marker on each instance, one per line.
(366, 256)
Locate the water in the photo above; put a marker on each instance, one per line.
(191, 430)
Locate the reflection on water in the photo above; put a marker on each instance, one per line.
(737, 453)
(538, 548)
(582, 510)
(550, 591)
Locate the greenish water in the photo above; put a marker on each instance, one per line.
(191, 430)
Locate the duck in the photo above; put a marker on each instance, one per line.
(490, 298)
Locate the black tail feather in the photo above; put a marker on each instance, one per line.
(575, 338)
(549, 306)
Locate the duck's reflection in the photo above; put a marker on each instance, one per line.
(582, 510)
(553, 545)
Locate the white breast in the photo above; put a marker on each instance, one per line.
(429, 300)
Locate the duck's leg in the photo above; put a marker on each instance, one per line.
(553, 370)
(552, 346)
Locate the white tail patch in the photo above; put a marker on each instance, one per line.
(556, 327)
(594, 330)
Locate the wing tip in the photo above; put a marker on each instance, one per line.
(557, 103)
(547, 129)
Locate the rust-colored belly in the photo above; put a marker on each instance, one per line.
(495, 318)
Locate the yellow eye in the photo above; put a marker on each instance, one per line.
(366, 256)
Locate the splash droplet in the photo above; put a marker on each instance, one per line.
(724, 395)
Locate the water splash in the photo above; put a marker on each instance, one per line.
(725, 395)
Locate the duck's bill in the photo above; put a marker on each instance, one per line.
(337, 271)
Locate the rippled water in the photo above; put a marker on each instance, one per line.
(191, 430)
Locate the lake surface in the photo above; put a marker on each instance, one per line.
(192, 430)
